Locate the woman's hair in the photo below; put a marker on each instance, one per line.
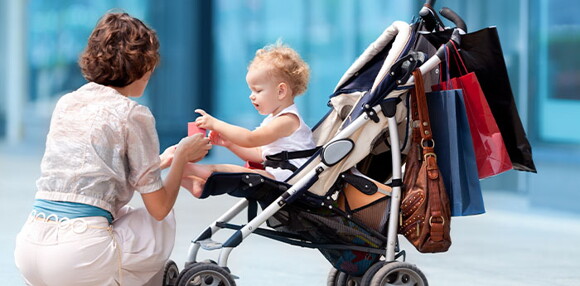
(287, 65)
(120, 50)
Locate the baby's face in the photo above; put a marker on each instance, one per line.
(264, 90)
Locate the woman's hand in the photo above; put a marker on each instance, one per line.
(167, 157)
(193, 148)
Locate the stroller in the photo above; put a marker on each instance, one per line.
(343, 201)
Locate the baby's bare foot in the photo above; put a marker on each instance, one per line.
(197, 189)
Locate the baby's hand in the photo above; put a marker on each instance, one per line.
(205, 120)
(216, 139)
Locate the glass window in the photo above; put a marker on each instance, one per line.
(57, 34)
(558, 71)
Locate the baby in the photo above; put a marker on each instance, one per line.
(275, 76)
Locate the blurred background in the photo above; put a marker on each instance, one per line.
(206, 46)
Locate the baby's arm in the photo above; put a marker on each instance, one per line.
(279, 127)
(247, 154)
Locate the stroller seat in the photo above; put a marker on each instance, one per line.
(244, 185)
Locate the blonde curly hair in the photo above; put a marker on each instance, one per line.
(287, 66)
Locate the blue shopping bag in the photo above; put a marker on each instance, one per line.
(455, 153)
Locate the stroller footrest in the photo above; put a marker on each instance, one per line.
(209, 244)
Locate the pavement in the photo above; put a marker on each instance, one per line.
(511, 244)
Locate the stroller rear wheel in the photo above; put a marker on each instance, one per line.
(347, 280)
(332, 277)
(370, 273)
(204, 274)
(170, 273)
(337, 278)
(399, 273)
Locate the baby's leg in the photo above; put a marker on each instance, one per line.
(198, 170)
(195, 175)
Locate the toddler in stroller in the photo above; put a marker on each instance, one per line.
(275, 77)
(344, 200)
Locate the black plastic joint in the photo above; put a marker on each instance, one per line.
(389, 107)
(371, 113)
(234, 240)
(284, 199)
(397, 183)
(205, 234)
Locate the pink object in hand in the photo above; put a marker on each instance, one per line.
(193, 129)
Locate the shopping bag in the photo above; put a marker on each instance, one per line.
(454, 149)
(490, 152)
(482, 54)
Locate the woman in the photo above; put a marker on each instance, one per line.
(101, 148)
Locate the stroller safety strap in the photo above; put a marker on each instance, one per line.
(282, 159)
(280, 164)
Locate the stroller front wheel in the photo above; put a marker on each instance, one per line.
(203, 274)
(399, 273)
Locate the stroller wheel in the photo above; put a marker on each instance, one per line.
(204, 274)
(399, 273)
(347, 280)
(370, 273)
(332, 277)
(170, 273)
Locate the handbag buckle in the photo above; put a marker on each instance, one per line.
(427, 143)
(430, 155)
(431, 220)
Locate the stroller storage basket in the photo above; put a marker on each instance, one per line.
(348, 245)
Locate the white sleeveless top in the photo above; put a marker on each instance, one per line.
(300, 140)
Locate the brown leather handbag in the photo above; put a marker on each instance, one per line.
(425, 210)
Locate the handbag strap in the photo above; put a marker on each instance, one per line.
(422, 111)
(436, 219)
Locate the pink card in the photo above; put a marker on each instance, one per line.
(192, 129)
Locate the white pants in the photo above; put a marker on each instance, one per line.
(89, 251)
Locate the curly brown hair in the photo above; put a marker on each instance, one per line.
(120, 50)
(287, 65)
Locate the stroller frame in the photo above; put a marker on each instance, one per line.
(332, 152)
(295, 190)
(303, 184)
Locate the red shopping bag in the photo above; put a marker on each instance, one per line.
(490, 151)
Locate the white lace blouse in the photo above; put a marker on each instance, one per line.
(100, 149)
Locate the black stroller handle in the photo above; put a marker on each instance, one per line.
(430, 2)
(430, 17)
(453, 17)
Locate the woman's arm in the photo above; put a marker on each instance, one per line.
(189, 149)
